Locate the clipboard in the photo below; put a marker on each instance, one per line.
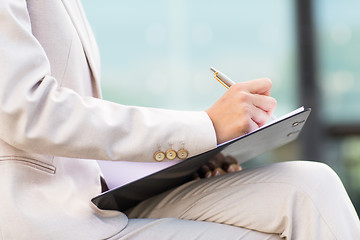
(244, 148)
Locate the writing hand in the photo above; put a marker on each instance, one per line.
(245, 107)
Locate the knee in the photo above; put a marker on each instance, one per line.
(320, 172)
(314, 177)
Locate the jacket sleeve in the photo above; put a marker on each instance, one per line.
(39, 116)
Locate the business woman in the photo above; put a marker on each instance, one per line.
(53, 125)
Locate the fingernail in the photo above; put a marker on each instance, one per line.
(208, 174)
(218, 172)
(232, 168)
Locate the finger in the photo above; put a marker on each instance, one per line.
(266, 103)
(211, 164)
(218, 172)
(205, 171)
(219, 160)
(251, 124)
(231, 164)
(204, 168)
(258, 86)
(228, 161)
(234, 168)
(208, 174)
(216, 161)
(259, 116)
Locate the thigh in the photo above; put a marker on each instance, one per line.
(278, 199)
(177, 229)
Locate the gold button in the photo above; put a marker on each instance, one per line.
(170, 154)
(159, 156)
(182, 154)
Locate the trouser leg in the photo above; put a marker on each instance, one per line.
(299, 200)
(178, 229)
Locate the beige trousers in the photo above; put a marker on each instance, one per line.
(292, 200)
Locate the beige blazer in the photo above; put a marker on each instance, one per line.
(52, 123)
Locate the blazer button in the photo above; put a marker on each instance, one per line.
(159, 156)
(170, 154)
(182, 154)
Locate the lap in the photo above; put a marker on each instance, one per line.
(252, 188)
(177, 229)
(274, 199)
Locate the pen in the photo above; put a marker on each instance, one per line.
(226, 81)
(222, 78)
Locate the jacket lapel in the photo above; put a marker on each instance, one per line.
(88, 41)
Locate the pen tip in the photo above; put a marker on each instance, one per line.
(213, 69)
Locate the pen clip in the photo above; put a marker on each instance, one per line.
(219, 80)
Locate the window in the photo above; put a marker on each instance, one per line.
(158, 53)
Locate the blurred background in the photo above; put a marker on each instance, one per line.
(158, 53)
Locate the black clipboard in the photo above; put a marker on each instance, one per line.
(243, 148)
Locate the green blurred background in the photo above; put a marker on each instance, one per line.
(158, 53)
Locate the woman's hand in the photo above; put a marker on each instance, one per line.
(218, 165)
(245, 107)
